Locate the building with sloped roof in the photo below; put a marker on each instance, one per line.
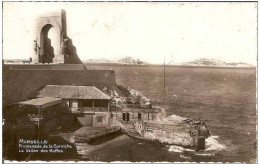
(87, 104)
(36, 116)
(73, 92)
(61, 105)
(78, 98)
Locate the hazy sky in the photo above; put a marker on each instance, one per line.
(149, 31)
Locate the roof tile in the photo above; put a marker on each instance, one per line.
(72, 92)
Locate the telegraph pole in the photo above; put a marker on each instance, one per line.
(164, 83)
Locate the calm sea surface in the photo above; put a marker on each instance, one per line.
(224, 97)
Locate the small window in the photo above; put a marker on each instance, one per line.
(99, 118)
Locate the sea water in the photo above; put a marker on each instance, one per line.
(225, 98)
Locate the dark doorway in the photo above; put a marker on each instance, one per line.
(124, 116)
(139, 116)
(127, 116)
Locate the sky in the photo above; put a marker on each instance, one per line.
(150, 31)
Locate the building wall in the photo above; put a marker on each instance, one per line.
(21, 81)
(29, 128)
(20, 117)
(85, 119)
(67, 119)
(97, 121)
(133, 116)
(50, 125)
(172, 134)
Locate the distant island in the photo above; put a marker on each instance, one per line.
(98, 60)
(124, 61)
(201, 62)
(215, 63)
(131, 61)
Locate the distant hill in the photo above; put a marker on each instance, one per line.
(131, 61)
(215, 63)
(125, 60)
(98, 60)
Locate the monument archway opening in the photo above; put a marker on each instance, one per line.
(49, 43)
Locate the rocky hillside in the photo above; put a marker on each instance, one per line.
(122, 96)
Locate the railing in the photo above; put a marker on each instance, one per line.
(88, 109)
(17, 61)
(141, 106)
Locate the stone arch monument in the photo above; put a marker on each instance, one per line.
(64, 51)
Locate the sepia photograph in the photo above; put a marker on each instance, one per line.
(129, 81)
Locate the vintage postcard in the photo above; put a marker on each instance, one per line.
(129, 81)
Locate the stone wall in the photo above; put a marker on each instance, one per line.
(67, 119)
(20, 83)
(171, 134)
